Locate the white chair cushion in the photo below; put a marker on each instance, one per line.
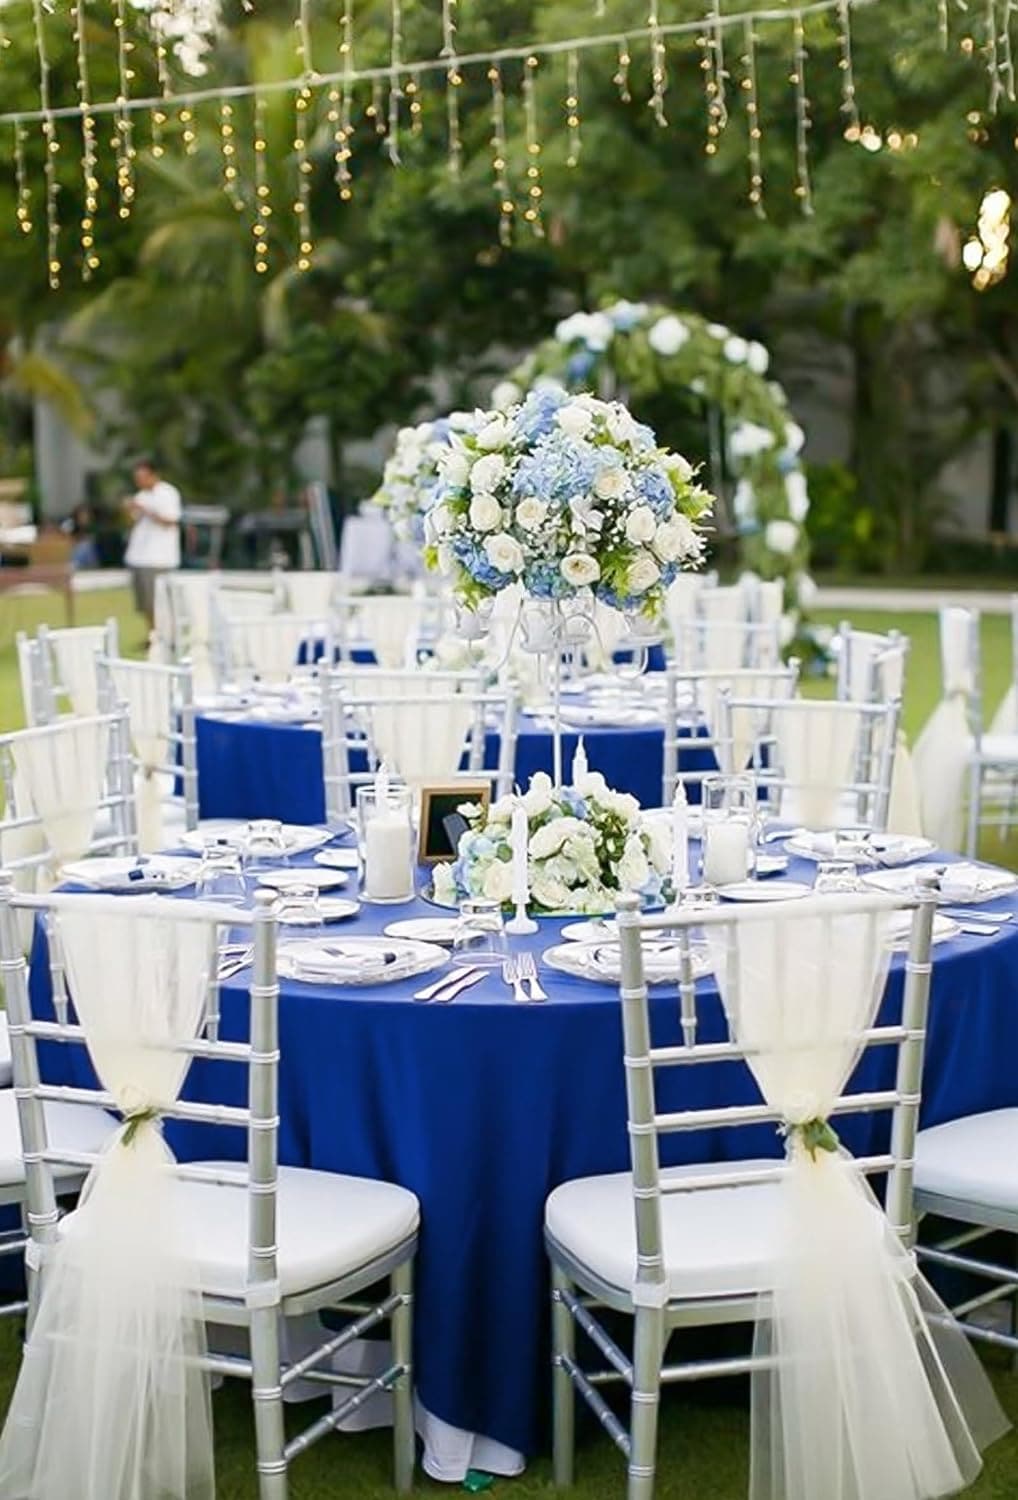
(973, 1160)
(327, 1225)
(5, 1053)
(74, 1127)
(1000, 749)
(717, 1241)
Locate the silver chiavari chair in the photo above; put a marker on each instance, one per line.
(691, 715)
(272, 1241)
(267, 649)
(682, 1247)
(993, 756)
(870, 666)
(159, 702)
(362, 622)
(57, 669)
(863, 736)
(351, 697)
(708, 644)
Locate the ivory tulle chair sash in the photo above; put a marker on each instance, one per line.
(744, 722)
(268, 646)
(391, 623)
(111, 1403)
(312, 593)
(817, 749)
(422, 740)
(148, 697)
(74, 653)
(63, 773)
(945, 744)
(857, 1397)
(904, 810)
(1005, 720)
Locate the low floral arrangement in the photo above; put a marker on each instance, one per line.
(586, 844)
(569, 496)
(411, 476)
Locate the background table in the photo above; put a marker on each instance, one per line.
(481, 1107)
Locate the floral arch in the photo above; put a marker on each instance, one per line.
(639, 351)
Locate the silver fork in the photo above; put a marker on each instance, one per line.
(528, 974)
(511, 976)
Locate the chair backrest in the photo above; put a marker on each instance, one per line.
(259, 1117)
(393, 627)
(159, 702)
(268, 647)
(311, 593)
(961, 670)
(725, 927)
(870, 666)
(68, 791)
(421, 723)
(691, 721)
(58, 672)
(713, 642)
(821, 763)
(366, 546)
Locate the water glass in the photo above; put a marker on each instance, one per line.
(836, 877)
(265, 846)
(479, 940)
(298, 906)
(221, 876)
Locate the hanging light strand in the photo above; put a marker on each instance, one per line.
(157, 24)
(23, 208)
(52, 146)
(803, 186)
(89, 178)
(992, 56)
(535, 192)
(374, 110)
(344, 153)
(573, 109)
(718, 107)
(228, 151)
(123, 129)
(499, 159)
(1007, 51)
(754, 130)
(658, 65)
(621, 79)
(395, 88)
(302, 126)
(453, 83)
(263, 208)
(849, 106)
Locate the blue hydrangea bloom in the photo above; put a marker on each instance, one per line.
(544, 581)
(580, 366)
(558, 468)
(643, 438)
(655, 488)
(574, 802)
(536, 417)
(474, 558)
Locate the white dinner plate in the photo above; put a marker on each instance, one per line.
(338, 859)
(888, 849)
(161, 872)
(663, 816)
(300, 838)
(424, 929)
(598, 930)
(322, 880)
(330, 909)
(357, 960)
(601, 962)
(900, 929)
(774, 890)
(987, 882)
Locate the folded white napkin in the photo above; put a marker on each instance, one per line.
(964, 881)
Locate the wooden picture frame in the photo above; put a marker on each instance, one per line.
(435, 841)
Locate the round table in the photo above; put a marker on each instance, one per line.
(482, 1106)
(254, 768)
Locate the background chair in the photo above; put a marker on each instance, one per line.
(58, 673)
(712, 642)
(159, 701)
(692, 718)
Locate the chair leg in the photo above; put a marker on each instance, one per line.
(975, 807)
(267, 1395)
(563, 1342)
(401, 1326)
(648, 1349)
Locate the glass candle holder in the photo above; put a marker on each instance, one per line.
(479, 939)
(386, 837)
(729, 828)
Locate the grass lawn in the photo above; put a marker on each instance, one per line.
(705, 1430)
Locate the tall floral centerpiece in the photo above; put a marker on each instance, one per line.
(572, 500)
(411, 475)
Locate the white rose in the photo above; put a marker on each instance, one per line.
(579, 570)
(642, 575)
(498, 880)
(592, 784)
(571, 330)
(600, 332)
(464, 421)
(668, 335)
(549, 892)
(486, 473)
(757, 358)
(611, 484)
(502, 810)
(444, 885)
(494, 434)
(620, 424)
(797, 495)
(537, 798)
(574, 420)
(438, 522)
(446, 561)
(531, 512)
(744, 501)
(546, 841)
(633, 868)
(781, 536)
(749, 439)
(485, 513)
(626, 312)
(506, 393)
(806, 591)
(623, 804)
(677, 466)
(718, 331)
(676, 538)
(794, 437)
(504, 553)
(659, 841)
(640, 525)
(454, 468)
(735, 350)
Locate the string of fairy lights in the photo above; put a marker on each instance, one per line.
(390, 97)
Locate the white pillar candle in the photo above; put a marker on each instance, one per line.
(387, 875)
(680, 839)
(725, 852)
(381, 785)
(580, 766)
(520, 838)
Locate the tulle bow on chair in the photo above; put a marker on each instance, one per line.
(943, 748)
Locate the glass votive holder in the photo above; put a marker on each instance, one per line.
(836, 877)
(729, 828)
(298, 906)
(479, 939)
(221, 876)
(386, 838)
(264, 846)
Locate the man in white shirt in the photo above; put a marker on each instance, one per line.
(154, 544)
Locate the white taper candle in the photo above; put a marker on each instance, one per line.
(680, 838)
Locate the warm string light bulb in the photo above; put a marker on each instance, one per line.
(754, 130)
(344, 138)
(51, 145)
(453, 83)
(986, 254)
(395, 89)
(189, 130)
(89, 177)
(228, 151)
(658, 64)
(499, 157)
(712, 65)
(412, 94)
(123, 130)
(157, 25)
(803, 123)
(535, 192)
(263, 205)
(302, 202)
(621, 79)
(374, 110)
(573, 109)
(23, 208)
(849, 107)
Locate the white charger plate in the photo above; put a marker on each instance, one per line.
(322, 880)
(774, 890)
(330, 909)
(338, 859)
(300, 838)
(357, 961)
(163, 872)
(598, 930)
(996, 883)
(886, 848)
(439, 930)
(601, 962)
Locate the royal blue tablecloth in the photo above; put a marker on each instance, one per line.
(481, 1107)
(257, 769)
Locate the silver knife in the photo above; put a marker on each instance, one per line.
(459, 985)
(447, 978)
